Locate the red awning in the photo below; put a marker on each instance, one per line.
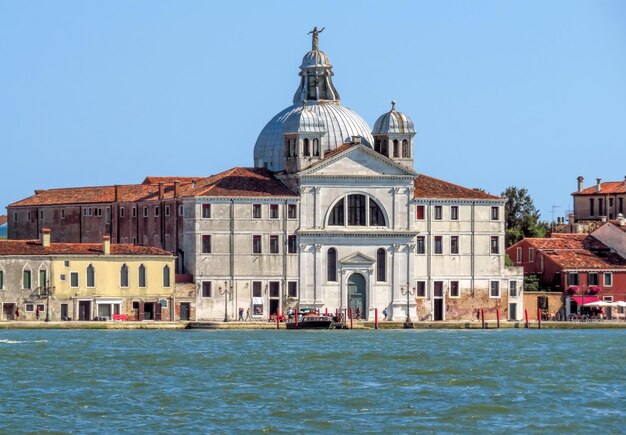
(593, 289)
(585, 299)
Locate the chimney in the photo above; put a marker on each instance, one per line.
(580, 183)
(176, 188)
(45, 237)
(193, 184)
(106, 245)
(598, 186)
(161, 189)
(571, 218)
(117, 193)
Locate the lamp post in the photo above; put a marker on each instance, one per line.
(408, 292)
(226, 292)
(48, 290)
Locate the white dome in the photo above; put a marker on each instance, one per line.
(393, 122)
(341, 124)
(304, 120)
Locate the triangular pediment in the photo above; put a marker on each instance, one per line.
(357, 258)
(357, 160)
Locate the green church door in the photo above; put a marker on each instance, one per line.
(356, 295)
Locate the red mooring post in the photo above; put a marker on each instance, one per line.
(539, 318)
(526, 316)
(482, 316)
(350, 318)
(498, 317)
(327, 311)
(375, 318)
(277, 318)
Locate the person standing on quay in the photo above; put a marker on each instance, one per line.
(248, 319)
(240, 315)
(37, 313)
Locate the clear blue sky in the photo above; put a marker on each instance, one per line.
(523, 93)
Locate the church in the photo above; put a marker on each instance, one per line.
(332, 216)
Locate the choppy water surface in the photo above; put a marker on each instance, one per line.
(318, 381)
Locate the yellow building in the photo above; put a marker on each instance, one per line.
(87, 281)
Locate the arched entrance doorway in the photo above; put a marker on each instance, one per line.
(356, 294)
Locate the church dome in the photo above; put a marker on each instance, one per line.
(394, 122)
(304, 120)
(318, 93)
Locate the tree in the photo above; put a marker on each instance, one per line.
(522, 218)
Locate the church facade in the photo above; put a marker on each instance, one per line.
(332, 216)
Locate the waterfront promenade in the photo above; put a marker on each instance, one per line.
(272, 325)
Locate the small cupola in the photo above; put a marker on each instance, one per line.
(393, 136)
(303, 134)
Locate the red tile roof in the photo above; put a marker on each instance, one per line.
(34, 247)
(567, 241)
(339, 149)
(237, 182)
(606, 187)
(585, 259)
(3, 220)
(429, 187)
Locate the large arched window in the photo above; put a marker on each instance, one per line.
(381, 265)
(91, 276)
(355, 207)
(306, 146)
(316, 147)
(124, 276)
(166, 276)
(396, 148)
(405, 148)
(142, 275)
(337, 215)
(331, 265)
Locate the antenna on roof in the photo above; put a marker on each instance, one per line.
(553, 208)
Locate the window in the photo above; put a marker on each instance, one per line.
(1, 279)
(591, 207)
(376, 215)
(438, 289)
(181, 211)
(572, 278)
(256, 244)
(396, 148)
(28, 215)
(273, 244)
(331, 264)
(62, 213)
(405, 148)
(134, 240)
(306, 147)
(84, 213)
(42, 278)
(206, 244)
(438, 213)
(513, 289)
(256, 289)
(356, 210)
(454, 212)
(610, 202)
(292, 211)
(518, 254)
(156, 210)
(166, 276)
(273, 211)
(256, 211)
(121, 212)
(316, 147)
(494, 289)
(620, 207)
(124, 276)
(454, 289)
(206, 211)
(556, 280)
(91, 276)
(438, 245)
(419, 212)
(15, 216)
(142, 275)
(41, 307)
(593, 278)
(495, 246)
(274, 289)
(30, 308)
(454, 244)
(421, 245)
(336, 215)
(26, 279)
(292, 289)
(420, 291)
(145, 211)
(495, 213)
(74, 279)
(531, 255)
(107, 217)
(608, 279)
(40, 214)
(66, 263)
(291, 244)
(381, 256)
(134, 213)
(167, 210)
(600, 206)
(207, 291)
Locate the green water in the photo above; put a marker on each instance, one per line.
(466, 381)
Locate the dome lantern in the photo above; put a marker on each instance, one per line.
(393, 136)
